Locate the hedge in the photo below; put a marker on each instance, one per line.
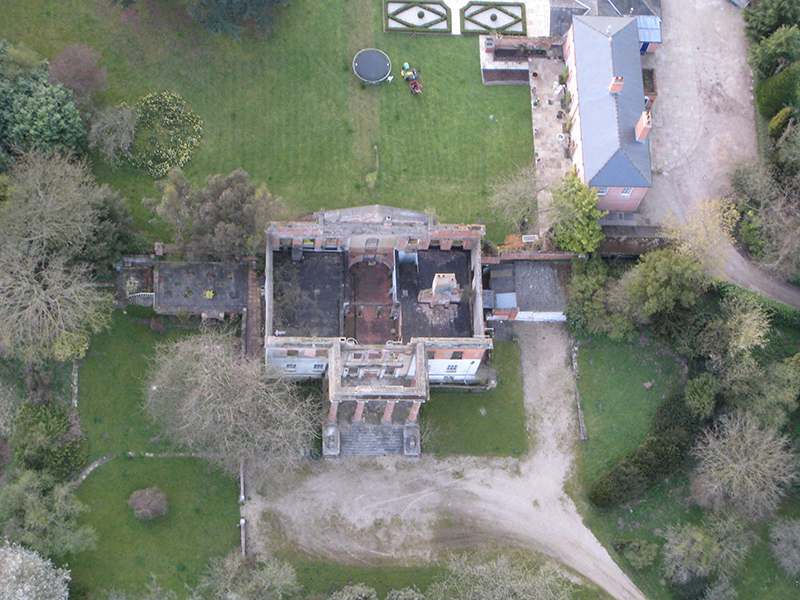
(777, 92)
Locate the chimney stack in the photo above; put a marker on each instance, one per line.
(616, 85)
(643, 126)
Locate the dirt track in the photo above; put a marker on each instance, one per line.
(400, 511)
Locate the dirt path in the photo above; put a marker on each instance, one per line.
(704, 122)
(395, 511)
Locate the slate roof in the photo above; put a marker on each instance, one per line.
(607, 47)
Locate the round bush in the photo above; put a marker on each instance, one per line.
(167, 133)
(148, 504)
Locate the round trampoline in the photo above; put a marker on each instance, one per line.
(371, 65)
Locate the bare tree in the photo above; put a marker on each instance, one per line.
(25, 575)
(515, 198)
(49, 309)
(784, 537)
(705, 231)
(717, 547)
(112, 132)
(52, 203)
(76, 68)
(471, 577)
(743, 466)
(212, 400)
(234, 576)
(148, 503)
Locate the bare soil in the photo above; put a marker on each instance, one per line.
(397, 511)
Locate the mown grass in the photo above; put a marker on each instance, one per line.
(459, 426)
(618, 413)
(110, 396)
(176, 548)
(617, 408)
(288, 109)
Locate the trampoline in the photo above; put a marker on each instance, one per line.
(371, 65)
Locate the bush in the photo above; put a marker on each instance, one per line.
(148, 503)
(167, 133)
(775, 93)
(407, 593)
(638, 553)
(700, 394)
(779, 122)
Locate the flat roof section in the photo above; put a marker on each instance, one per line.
(541, 285)
(200, 287)
(308, 294)
(369, 316)
(420, 320)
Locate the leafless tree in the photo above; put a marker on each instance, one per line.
(76, 68)
(234, 576)
(705, 231)
(148, 503)
(471, 577)
(784, 537)
(212, 400)
(112, 132)
(717, 547)
(52, 204)
(49, 308)
(515, 198)
(743, 466)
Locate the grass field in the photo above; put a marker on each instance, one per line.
(200, 525)
(460, 427)
(617, 409)
(288, 109)
(110, 390)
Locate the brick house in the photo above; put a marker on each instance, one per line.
(609, 122)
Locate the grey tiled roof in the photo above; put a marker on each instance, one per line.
(607, 47)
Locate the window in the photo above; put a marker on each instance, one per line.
(457, 355)
(458, 244)
(286, 243)
(626, 191)
(331, 243)
(319, 366)
(431, 354)
(452, 368)
(435, 244)
(292, 353)
(413, 241)
(602, 191)
(308, 244)
(291, 367)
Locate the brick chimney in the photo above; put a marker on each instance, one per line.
(643, 126)
(616, 85)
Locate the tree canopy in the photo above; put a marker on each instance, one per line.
(35, 113)
(42, 514)
(766, 16)
(25, 575)
(212, 400)
(226, 218)
(575, 215)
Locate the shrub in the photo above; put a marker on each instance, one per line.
(167, 133)
(777, 92)
(407, 593)
(148, 503)
(112, 132)
(699, 395)
(779, 122)
(784, 538)
(638, 553)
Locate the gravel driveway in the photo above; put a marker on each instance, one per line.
(394, 511)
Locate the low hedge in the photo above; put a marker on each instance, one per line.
(662, 452)
(775, 93)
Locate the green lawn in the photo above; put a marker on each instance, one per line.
(617, 409)
(201, 524)
(110, 389)
(288, 109)
(458, 425)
